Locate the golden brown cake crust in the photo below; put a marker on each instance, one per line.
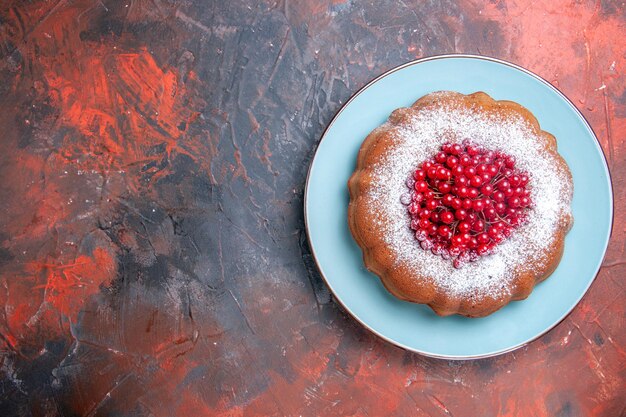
(403, 279)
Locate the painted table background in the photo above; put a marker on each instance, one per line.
(153, 259)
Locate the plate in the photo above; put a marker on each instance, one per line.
(415, 327)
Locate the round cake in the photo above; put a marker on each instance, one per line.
(460, 202)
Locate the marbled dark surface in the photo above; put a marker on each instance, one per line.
(153, 259)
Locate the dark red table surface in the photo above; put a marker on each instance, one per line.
(153, 257)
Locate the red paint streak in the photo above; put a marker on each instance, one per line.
(120, 100)
(66, 284)
(123, 104)
(192, 404)
(36, 297)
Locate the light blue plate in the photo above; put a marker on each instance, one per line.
(416, 327)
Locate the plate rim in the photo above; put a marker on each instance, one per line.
(477, 57)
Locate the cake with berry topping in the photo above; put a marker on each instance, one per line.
(460, 202)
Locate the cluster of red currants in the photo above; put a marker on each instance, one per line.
(466, 200)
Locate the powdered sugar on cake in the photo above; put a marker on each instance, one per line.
(421, 138)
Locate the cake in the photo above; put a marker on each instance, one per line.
(460, 202)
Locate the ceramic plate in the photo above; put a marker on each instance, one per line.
(415, 327)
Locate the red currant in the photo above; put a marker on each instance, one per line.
(469, 171)
(452, 161)
(465, 160)
(424, 223)
(447, 217)
(490, 213)
(447, 199)
(443, 231)
(498, 196)
(478, 205)
(444, 187)
(464, 227)
(472, 150)
(443, 174)
(421, 186)
(486, 189)
(478, 226)
(523, 179)
(482, 249)
(457, 240)
(460, 214)
(476, 181)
